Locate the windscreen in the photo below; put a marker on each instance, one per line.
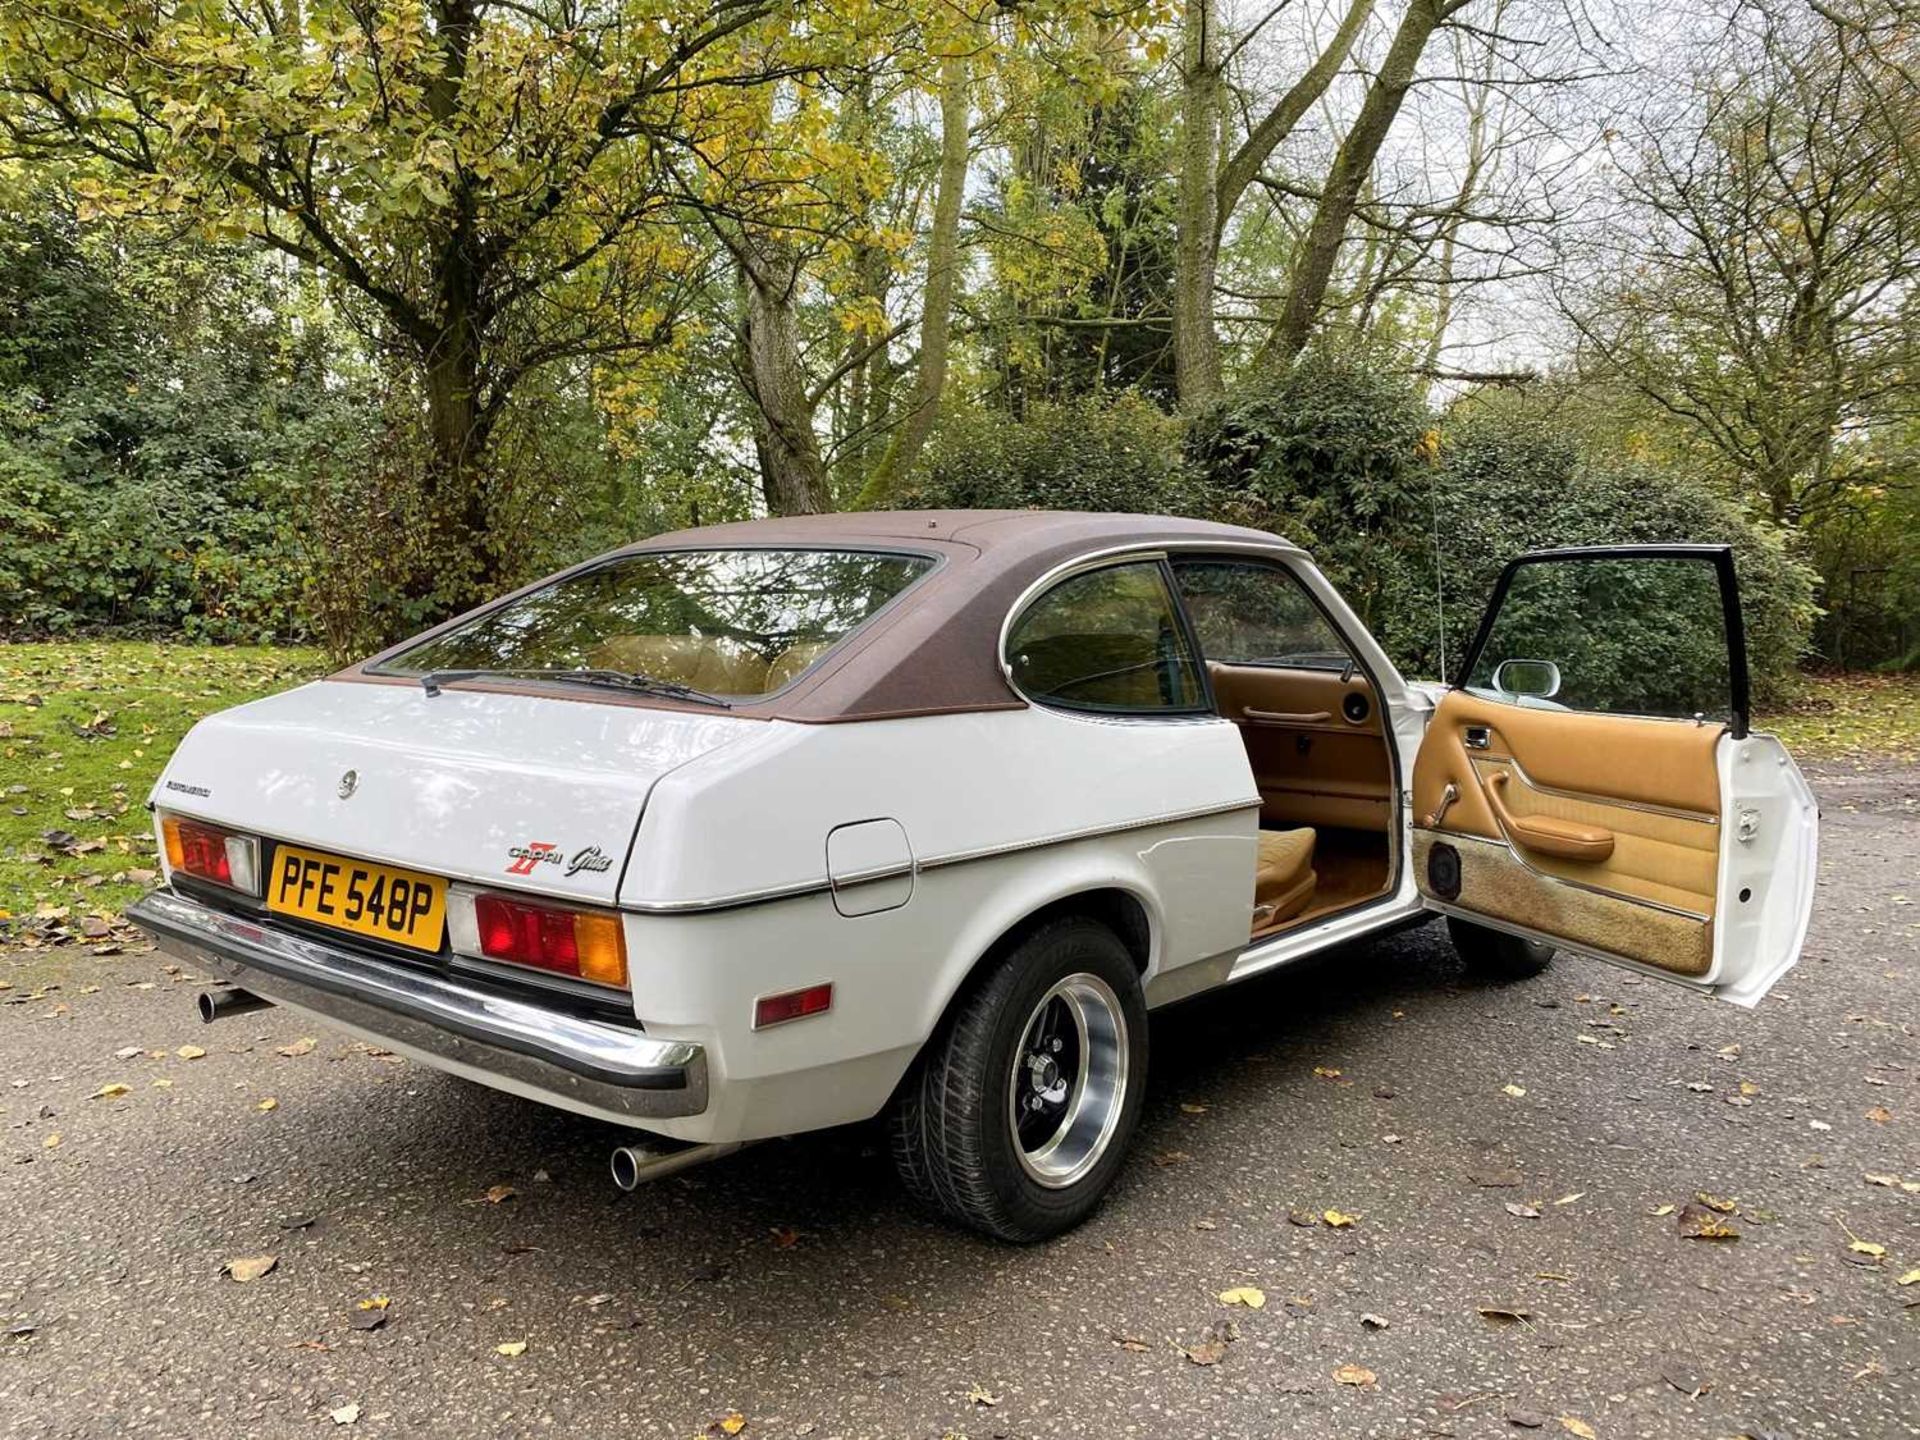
(729, 622)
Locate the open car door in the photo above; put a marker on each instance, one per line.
(1592, 783)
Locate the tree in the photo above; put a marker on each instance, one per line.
(1758, 281)
(1211, 187)
(484, 176)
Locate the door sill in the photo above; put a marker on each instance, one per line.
(1385, 913)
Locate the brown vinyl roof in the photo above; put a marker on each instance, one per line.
(934, 649)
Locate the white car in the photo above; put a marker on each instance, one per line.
(760, 828)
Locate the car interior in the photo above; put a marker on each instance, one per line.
(1315, 737)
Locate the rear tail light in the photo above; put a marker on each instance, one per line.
(587, 944)
(206, 852)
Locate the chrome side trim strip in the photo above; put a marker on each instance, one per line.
(1506, 843)
(931, 862)
(1699, 817)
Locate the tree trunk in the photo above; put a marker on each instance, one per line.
(943, 271)
(1313, 269)
(792, 474)
(1196, 349)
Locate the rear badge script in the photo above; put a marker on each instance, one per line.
(529, 857)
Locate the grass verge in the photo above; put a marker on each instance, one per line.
(84, 728)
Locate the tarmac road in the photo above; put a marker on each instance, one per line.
(791, 1287)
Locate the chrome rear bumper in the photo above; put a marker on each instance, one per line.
(495, 1038)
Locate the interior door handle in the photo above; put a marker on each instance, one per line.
(1282, 717)
(1550, 836)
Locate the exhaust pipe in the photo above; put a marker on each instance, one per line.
(634, 1165)
(219, 1004)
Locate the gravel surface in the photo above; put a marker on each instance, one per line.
(790, 1286)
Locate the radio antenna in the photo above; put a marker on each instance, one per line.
(1439, 586)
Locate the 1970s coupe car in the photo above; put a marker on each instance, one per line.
(759, 828)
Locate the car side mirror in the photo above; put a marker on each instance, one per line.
(1539, 679)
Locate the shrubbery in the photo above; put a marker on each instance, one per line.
(1399, 505)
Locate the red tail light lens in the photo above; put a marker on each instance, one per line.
(207, 852)
(567, 942)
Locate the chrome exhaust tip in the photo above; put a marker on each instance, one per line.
(219, 1004)
(634, 1165)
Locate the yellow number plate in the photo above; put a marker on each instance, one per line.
(403, 907)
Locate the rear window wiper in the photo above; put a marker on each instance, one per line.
(618, 679)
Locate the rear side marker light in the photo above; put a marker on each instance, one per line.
(583, 943)
(206, 852)
(792, 1005)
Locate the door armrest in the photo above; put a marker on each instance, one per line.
(1567, 839)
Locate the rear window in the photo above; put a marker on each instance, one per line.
(729, 622)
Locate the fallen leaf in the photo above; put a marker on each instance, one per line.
(498, 1193)
(1697, 1222)
(251, 1267)
(1522, 1212)
(1685, 1379)
(268, 1104)
(979, 1395)
(1514, 1090)
(1662, 1210)
(303, 1046)
(1336, 1219)
(52, 1142)
(190, 1052)
(1131, 1343)
(1504, 1314)
(1880, 1115)
(511, 1347)
(1207, 1352)
(1569, 1199)
(1355, 1375)
(346, 1414)
(1867, 1247)
(1576, 1427)
(1245, 1295)
(1715, 1202)
(111, 1091)
(1326, 1072)
(731, 1423)
(1190, 1109)
(1912, 1277)
(1526, 1419)
(1370, 1321)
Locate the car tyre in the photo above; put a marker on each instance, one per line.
(1496, 955)
(1016, 1118)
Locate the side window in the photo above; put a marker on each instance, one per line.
(1251, 614)
(1628, 635)
(1107, 640)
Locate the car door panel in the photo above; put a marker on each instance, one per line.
(1681, 845)
(1651, 894)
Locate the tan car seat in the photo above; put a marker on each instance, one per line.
(1283, 878)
